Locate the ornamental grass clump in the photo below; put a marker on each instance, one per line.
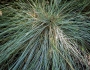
(44, 35)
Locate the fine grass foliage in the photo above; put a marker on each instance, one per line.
(44, 35)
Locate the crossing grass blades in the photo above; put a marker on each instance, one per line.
(44, 35)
